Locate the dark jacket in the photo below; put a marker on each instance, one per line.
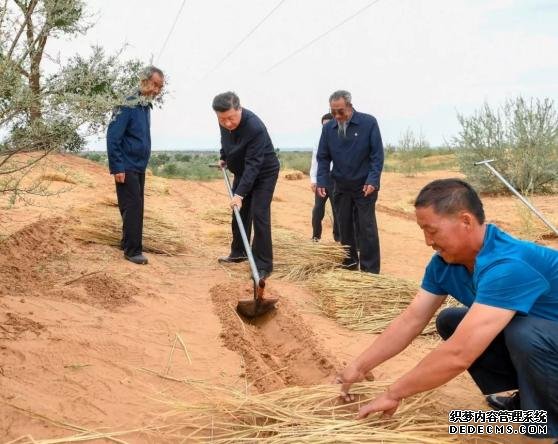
(358, 157)
(248, 151)
(129, 138)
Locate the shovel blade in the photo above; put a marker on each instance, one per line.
(255, 307)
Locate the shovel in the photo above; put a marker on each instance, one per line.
(258, 306)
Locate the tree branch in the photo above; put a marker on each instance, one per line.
(30, 10)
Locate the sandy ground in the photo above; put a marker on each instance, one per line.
(86, 336)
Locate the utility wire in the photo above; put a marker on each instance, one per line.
(171, 30)
(311, 42)
(261, 22)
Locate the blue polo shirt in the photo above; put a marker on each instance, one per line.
(358, 156)
(129, 138)
(509, 273)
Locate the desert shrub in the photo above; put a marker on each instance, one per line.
(158, 159)
(182, 157)
(170, 169)
(412, 149)
(95, 157)
(522, 138)
(296, 160)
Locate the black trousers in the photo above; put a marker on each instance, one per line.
(351, 204)
(256, 211)
(130, 203)
(318, 213)
(523, 356)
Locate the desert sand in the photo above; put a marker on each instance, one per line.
(85, 335)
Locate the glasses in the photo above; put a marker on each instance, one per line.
(340, 112)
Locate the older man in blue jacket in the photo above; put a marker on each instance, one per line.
(352, 141)
(129, 148)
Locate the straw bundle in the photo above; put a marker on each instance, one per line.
(314, 414)
(364, 301)
(293, 175)
(157, 186)
(217, 216)
(101, 223)
(58, 177)
(298, 259)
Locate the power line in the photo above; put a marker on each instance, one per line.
(171, 30)
(311, 42)
(228, 54)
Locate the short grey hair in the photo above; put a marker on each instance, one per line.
(225, 101)
(148, 71)
(341, 94)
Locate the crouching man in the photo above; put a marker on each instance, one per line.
(506, 336)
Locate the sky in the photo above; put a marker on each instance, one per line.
(413, 64)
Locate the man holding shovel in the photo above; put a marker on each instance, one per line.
(247, 151)
(506, 335)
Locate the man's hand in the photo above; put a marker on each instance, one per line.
(120, 177)
(314, 187)
(346, 378)
(222, 164)
(236, 201)
(368, 190)
(322, 192)
(385, 403)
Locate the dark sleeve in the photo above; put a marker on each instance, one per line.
(376, 156)
(115, 135)
(253, 160)
(324, 161)
(222, 150)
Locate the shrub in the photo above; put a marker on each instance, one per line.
(412, 149)
(522, 138)
(182, 157)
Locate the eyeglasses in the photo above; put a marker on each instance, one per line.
(341, 111)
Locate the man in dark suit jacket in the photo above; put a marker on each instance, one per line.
(247, 150)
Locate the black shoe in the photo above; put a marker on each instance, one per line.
(231, 259)
(264, 274)
(315, 239)
(350, 265)
(139, 259)
(504, 402)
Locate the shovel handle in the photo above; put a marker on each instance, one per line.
(247, 248)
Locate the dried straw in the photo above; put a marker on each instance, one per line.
(298, 259)
(158, 186)
(218, 216)
(58, 177)
(364, 301)
(101, 223)
(314, 414)
(294, 258)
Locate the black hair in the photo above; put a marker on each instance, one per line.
(449, 196)
(225, 101)
(327, 116)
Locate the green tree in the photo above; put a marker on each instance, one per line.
(521, 136)
(42, 112)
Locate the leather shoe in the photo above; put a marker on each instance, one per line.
(231, 259)
(139, 259)
(350, 266)
(504, 402)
